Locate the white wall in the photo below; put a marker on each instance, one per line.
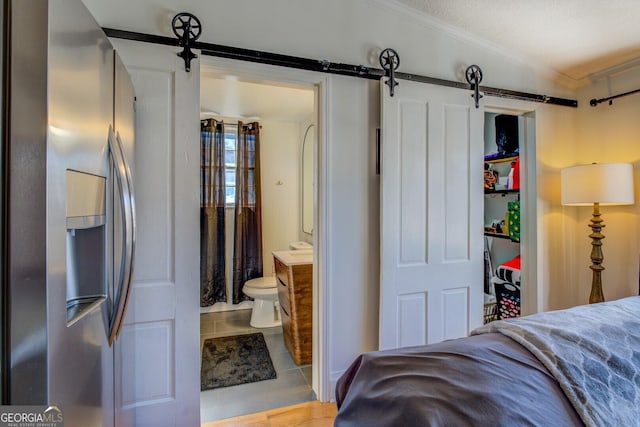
(555, 135)
(588, 134)
(354, 221)
(609, 133)
(350, 32)
(280, 164)
(335, 30)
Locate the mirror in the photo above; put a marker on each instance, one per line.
(308, 152)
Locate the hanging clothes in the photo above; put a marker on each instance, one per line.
(247, 252)
(212, 210)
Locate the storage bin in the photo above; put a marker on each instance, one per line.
(508, 299)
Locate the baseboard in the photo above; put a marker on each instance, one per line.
(223, 306)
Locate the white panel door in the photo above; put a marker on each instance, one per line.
(431, 214)
(157, 378)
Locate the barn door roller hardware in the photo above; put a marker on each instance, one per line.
(390, 61)
(474, 77)
(594, 102)
(324, 66)
(187, 29)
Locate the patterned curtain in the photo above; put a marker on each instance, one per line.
(247, 252)
(212, 195)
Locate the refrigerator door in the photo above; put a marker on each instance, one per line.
(80, 110)
(3, 207)
(124, 110)
(123, 274)
(61, 103)
(26, 213)
(122, 148)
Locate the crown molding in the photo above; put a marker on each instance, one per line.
(467, 37)
(614, 70)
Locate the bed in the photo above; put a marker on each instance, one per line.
(579, 366)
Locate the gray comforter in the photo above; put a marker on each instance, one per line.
(593, 351)
(484, 380)
(570, 367)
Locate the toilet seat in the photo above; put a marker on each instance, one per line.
(264, 293)
(261, 282)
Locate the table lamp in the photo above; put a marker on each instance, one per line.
(597, 184)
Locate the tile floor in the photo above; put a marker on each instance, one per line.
(292, 385)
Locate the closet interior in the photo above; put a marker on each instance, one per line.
(502, 282)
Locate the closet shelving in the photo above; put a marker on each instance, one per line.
(503, 164)
(501, 249)
(497, 235)
(505, 191)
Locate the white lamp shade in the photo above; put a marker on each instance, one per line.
(604, 183)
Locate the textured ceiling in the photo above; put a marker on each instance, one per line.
(576, 38)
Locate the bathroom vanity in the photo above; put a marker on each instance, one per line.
(294, 271)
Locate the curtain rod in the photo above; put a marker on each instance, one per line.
(594, 102)
(232, 123)
(325, 66)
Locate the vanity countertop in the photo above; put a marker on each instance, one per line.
(295, 257)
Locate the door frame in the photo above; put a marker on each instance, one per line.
(533, 291)
(321, 384)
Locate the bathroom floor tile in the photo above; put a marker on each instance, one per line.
(227, 328)
(282, 361)
(276, 330)
(275, 343)
(232, 324)
(291, 386)
(308, 375)
(207, 324)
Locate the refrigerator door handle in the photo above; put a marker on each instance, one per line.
(130, 260)
(125, 280)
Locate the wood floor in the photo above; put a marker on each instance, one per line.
(310, 414)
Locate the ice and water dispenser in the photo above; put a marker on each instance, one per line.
(86, 243)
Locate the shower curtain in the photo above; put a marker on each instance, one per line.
(247, 252)
(212, 196)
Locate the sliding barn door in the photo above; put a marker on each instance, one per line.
(431, 214)
(157, 356)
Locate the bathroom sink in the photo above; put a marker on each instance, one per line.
(305, 252)
(300, 246)
(295, 257)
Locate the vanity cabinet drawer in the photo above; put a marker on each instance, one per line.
(286, 329)
(282, 272)
(294, 284)
(283, 296)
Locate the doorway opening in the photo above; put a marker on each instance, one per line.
(287, 116)
(510, 220)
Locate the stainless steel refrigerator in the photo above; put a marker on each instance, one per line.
(68, 208)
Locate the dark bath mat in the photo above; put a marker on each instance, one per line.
(234, 360)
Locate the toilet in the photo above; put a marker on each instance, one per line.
(264, 291)
(266, 311)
